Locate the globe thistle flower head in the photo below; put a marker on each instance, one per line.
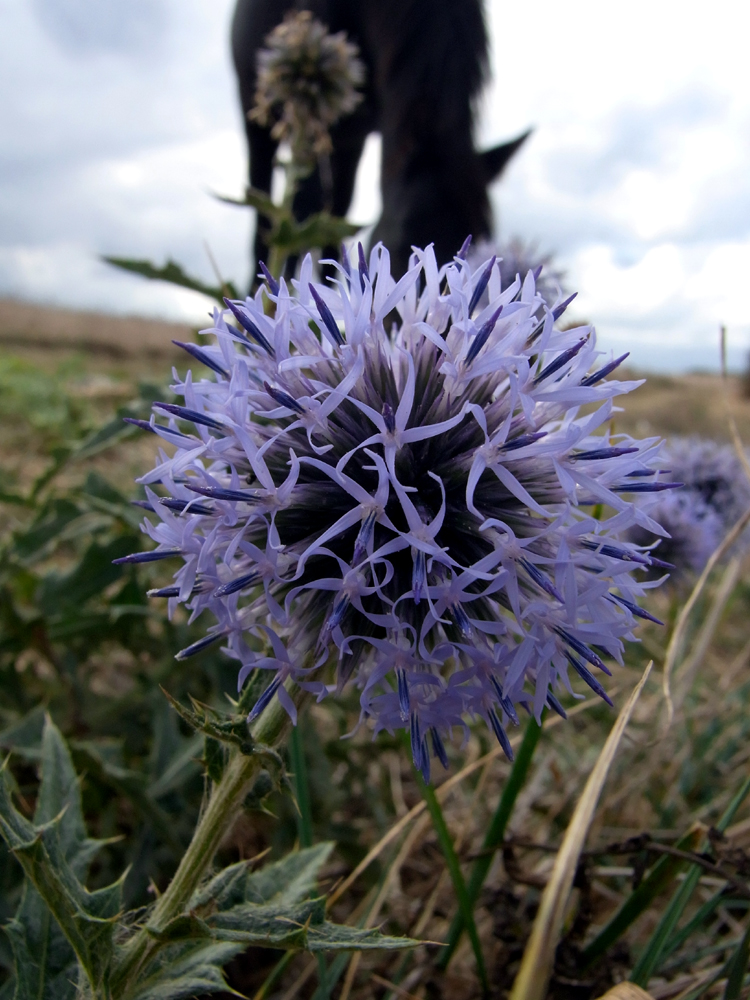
(389, 485)
(307, 80)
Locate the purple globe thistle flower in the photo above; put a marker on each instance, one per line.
(390, 484)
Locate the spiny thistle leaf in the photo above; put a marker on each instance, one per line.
(269, 908)
(54, 853)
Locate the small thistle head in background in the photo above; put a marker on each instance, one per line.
(716, 493)
(307, 80)
(694, 528)
(421, 508)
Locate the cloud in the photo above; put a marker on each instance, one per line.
(84, 27)
(119, 117)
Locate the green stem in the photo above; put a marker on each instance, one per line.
(493, 839)
(218, 817)
(454, 868)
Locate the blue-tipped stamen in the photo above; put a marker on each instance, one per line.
(173, 591)
(363, 271)
(555, 705)
(220, 493)
(502, 736)
(199, 587)
(583, 650)
(505, 703)
(338, 611)
(416, 740)
(426, 768)
(635, 609)
(537, 271)
(363, 538)
(240, 583)
(327, 316)
(265, 698)
(464, 248)
(481, 285)
(172, 503)
(560, 361)
(606, 370)
(542, 580)
(242, 317)
(626, 555)
(601, 453)
(585, 674)
(199, 646)
(559, 310)
(192, 415)
(523, 440)
(438, 747)
(143, 424)
(644, 487)
(482, 337)
(462, 620)
(345, 262)
(419, 576)
(283, 398)
(145, 557)
(200, 355)
(404, 702)
(389, 418)
(273, 285)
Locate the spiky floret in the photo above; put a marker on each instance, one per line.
(384, 485)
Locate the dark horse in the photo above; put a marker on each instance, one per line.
(426, 61)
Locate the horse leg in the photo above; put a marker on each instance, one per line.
(262, 152)
(251, 23)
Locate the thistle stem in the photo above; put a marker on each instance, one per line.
(216, 820)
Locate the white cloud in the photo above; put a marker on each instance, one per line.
(118, 118)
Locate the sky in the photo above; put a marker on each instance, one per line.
(120, 119)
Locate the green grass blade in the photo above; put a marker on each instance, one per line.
(647, 891)
(694, 924)
(493, 839)
(274, 975)
(305, 830)
(454, 869)
(651, 956)
(660, 876)
(301, 788)
(736, 967)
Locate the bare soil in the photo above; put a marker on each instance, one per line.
(23, 324)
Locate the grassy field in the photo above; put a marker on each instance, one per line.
(666, 780)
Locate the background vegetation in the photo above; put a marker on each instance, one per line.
(79, 640)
